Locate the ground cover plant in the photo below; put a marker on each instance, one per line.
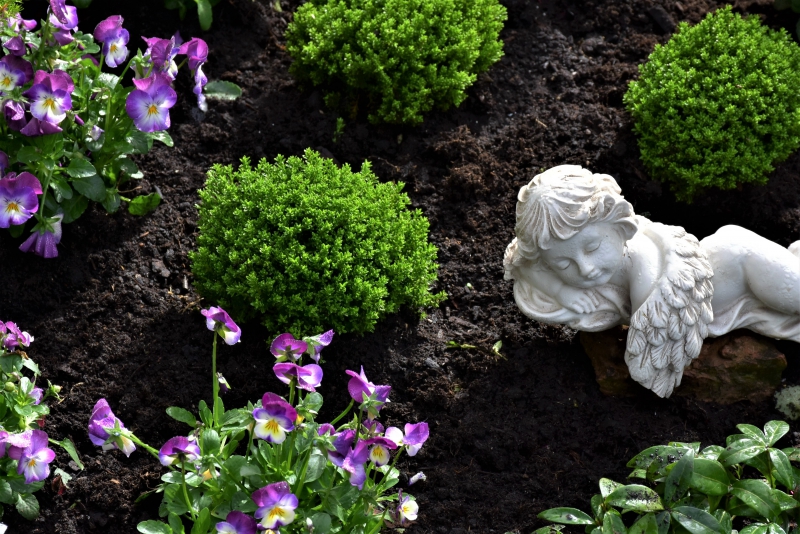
(302, 243)
(69, 127)
(509, 436)
(296, 475)
(409, 56)
(708, 114)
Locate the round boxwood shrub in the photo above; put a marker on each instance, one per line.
(718, 105)
(307, 246)
(408, 55)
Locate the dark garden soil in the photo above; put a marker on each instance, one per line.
(115, 315)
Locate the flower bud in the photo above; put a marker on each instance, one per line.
(10, 387)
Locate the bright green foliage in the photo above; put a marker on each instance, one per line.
(308, 246)
(718, 104)
(408, 55)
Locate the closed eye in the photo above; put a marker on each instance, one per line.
(594, 246)
(563, 264)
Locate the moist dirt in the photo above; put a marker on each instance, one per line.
(116, 315)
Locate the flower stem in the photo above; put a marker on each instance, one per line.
(292, 390)
(391, 466)
(301, 480)
(186, 492)
(345, 412)
(143, 445)
(214, 382)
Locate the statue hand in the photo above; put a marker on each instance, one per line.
(578, 300)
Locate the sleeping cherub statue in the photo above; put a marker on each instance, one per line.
(583, 258)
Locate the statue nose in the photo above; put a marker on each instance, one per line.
(585, 268)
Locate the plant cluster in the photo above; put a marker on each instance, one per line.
(25, 457)
(296, 475)
(305, 243)
(406, 55)
(700, 491)
(68, 128)
(717, 105)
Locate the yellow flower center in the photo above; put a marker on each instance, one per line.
(113, 48)
(272, 426)
(12, 206)
(49, 103)
(6, 81)
(32, 463)
(152, 109)
(276, 512)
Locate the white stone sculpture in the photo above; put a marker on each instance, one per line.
(583, 258)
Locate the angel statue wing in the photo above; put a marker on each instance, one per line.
(667, 331)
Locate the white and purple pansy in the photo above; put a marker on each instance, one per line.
(196, 51)
(308, 377)
(276, 505)
(59, 9)
(218, 320)
(372, 396)
(200, 81)
(178, 449)
(273, 419)
(407, 509)
(354, 463)
(10, 78)
(64, 25)
(50, 96)
(18, 198)
(286, 347)
(16, 63)
(379, 450)
(319, 342)
(237, 523)
(412, 439)
(106, 430)
(149, 104)
(162, 53)
(114, 38)
(16, 23)
(45, 237)
(33, 459)
(15, 46)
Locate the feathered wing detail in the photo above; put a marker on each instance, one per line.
(666, 333)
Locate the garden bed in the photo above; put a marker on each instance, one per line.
(115, 314)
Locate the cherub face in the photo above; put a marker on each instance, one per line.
(589, 258)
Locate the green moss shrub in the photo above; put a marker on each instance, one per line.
(408, 55)
(307, 246)
(718, 105)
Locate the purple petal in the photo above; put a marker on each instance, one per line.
(309, 377)
(64, 17)
(270, 495)
(17, 63)
(197, 51)
(17, 207)
(35, 128)
(107, 29)
(416, 434)
(15, 45)
(237, 523)
(59, 10)
(63, 37)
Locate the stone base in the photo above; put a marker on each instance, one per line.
(740, 365)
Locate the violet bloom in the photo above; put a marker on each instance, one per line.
(59, 10)
(415, 435)
(308, 376)
(33, 460)
(15, 115)
(63, 33)
(10, 78)
(50, 96)
(416, 478)
(196, 51)
(16, 22)
(114, 38)
(285, 347)
(319, 342)
(149, 104)
(36, 394)
(274, 419)
(218, 320)
(15, 337)
(95, 133)
(15, 46)
(224, 387)
(178, 449)
(15, 63)
(354, 463)
(407, 510)
(106, 430)
(379, 450)
(200, 81)
(162, 53)
(36, 127)
(363, 391)
(44, 238)
(237, 523)
(18, 198)
(276, 505)
(342, 443)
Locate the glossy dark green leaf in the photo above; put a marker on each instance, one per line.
(635, 497)
(612, 524)
(597, 506)
(793, 453)
(316, 466)
(222, 90)
(6, 493)
(210, 441)
(775, 430)
(68, 446)
(755, 528)
(782, 467)
(28, 155)
(153, 527)
(176, 524)
(112, 201)
(710, 477)
(182, 415)
(144, 204)
(81, 168)
(737, 508)
(28, 506)
(725, 520)
(774, 528)
(607, 486)
(711, 452)
(322, 523)
(645, 525)
(204, 14)
(61, 188)
(566, 516)
(757, 495)
(679, 478)
(203, 522)
(739, 451)
(785, 501)
(164, 137)
(92, 187)
(754, 433)
(696, 521)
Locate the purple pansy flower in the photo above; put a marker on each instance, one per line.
(15, 337)
(415, 435)
(15, 22)
(33, 459)
(162, 53)
(104, 429)
(22, 65)
(342, 443)
(196, 51)
(360, 388)
(149, 104)
(15, 115)
(319, 342)
(36, 394)
(354, 463)
(18, 200)
(44, 238)
(15, 46)
(285, 347)
(406, 511)
(274, 419)
(237, 523)
(36, 127)
(308, 376)
(379, 450)
(276, 505)
(218, 320)
(59, 9)
(95, 132)
(63, 33)
(50, 96)
(10, 78)
(200, 81)
(114, 38)
(224, 387)
(178, 449)
(416, 478)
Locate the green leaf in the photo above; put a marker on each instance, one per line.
(322, 523)
(222, 90)
(645, 525)
(635, 497)
(316, 466)
(775, 430)
(108, 80)
(785, 501)
(725, 520)
(793, 453)
(782, 467)
(696, 521)
(243, 503)
(204, 14)
(68, 446)
(566, 516)
(755, 528)
(663, 521)
(112, 200)
(16, 230)
(144, 204)
(612, 524)
(679, 478)
(182, 415)
(710, 477)
(203, 522)
(757, 495)
(61, 187)
(598, 506)
(739, 451)
(711, 452)
(774, 528)
(205, 414)
(607, 486)
(81, 168)
(164, 137)
(140, 142)
(28, 507)
(176, 524)
(28, 155)
(210, 441)
(93, 187)
(153, 527)
(6, 493)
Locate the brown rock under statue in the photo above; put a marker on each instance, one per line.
(737, 366)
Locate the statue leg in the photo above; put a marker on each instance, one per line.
(794, 248)
(774, 277)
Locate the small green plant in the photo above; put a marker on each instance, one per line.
(406, 55)
(302, 243)
(717, 106)
(203, 10)
(699, 491)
